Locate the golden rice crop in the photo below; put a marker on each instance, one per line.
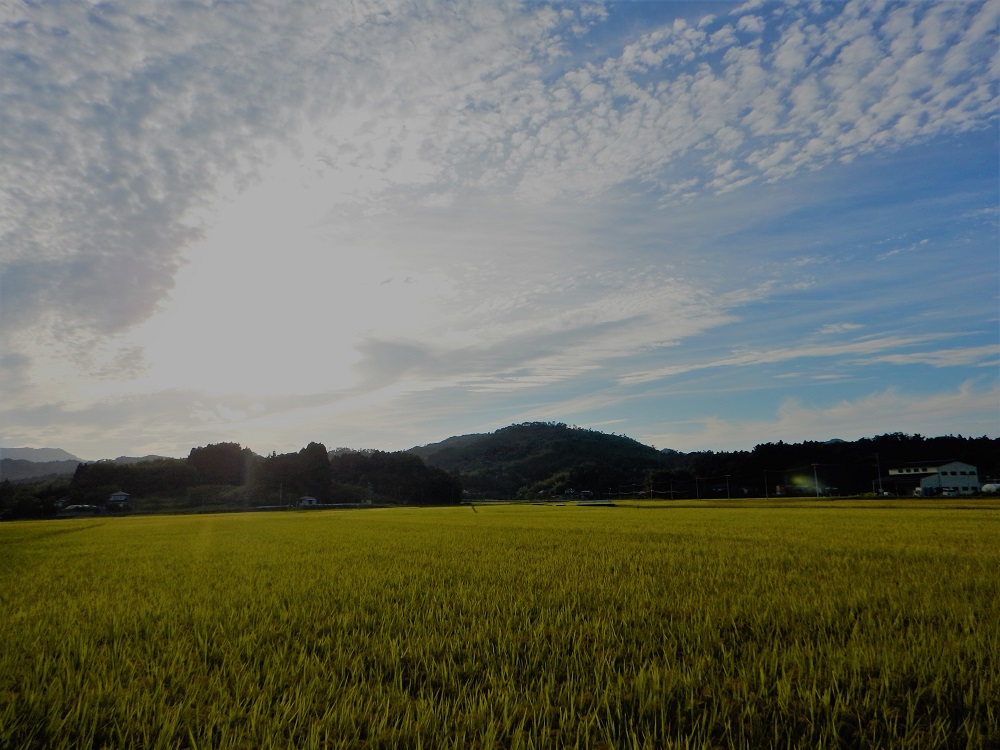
(653, 626)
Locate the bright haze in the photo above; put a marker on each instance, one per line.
(380, 223)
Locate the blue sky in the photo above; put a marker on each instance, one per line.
(705, 225)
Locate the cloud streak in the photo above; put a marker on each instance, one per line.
(858, 349)
(883, 412)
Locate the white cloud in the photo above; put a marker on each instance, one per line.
(750, 24)
(968, 410)
(804, 350)
(182, 182)
(176, 102)
(834, 328)
(984, 356)
(840, 98)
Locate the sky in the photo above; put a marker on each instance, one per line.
(380, 223)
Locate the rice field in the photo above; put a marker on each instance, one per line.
(813, 625)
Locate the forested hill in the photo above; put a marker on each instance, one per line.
(29, 463)
(541, 458)
(19, 468)
(537, 459)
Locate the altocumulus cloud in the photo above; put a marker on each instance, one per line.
(119, 120)
(123, 123)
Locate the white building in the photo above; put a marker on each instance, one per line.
(948, 479)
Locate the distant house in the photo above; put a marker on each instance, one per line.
(305, 501)
(948, 479)
(119, 502)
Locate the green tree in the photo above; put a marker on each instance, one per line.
(6, 495)
(220, 463)
(396, 477)
(315, 476)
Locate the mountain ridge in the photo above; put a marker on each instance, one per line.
(541, 458)
(19, 469)
(38, 455)
(548, 459)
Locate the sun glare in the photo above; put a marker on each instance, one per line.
(277, 295)
(267, 302)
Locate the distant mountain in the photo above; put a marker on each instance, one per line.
(541, 458)
(38, 455)
(19, 464)
(15, 469)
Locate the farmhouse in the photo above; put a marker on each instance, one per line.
(119, 502)
(932, 479)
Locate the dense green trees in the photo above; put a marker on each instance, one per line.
(228, 474)
(527, 461)
(221, 463)
(396, 477)
(535, 460)
(292, 475)
(93, 482)
(37, 499)
(845, 467)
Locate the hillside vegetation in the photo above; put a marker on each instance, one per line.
(528, 462)
(17, 469)
(226, 476)
(542, 459)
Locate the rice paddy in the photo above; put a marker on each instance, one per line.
(509, 626)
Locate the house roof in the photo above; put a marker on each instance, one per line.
(929, 467)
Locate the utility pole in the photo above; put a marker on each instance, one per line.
(765, 484)
(878, 468)
(727, 488)
(816, 479)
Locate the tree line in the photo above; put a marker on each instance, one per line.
(539, 460)
(529, 461)
(227, 475)
(838, 467)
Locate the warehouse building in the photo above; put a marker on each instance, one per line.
(949, 479)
